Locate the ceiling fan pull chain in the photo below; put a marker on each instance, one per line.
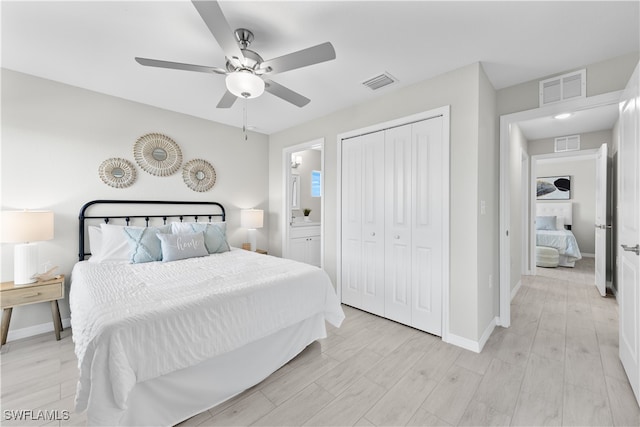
(244, 120)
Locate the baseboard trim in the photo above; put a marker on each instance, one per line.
(475, 346)
(488, 331)
(31, 331)
(586, 255)
(515, 290)
(465, 343)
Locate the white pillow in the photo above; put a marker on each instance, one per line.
(95, 243)
(559, 223)
(114, 244)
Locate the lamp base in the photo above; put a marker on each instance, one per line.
(251, 234)
(25, 263)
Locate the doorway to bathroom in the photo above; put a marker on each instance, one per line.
(303, 223)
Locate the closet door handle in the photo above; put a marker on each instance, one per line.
(396, 237)
(373, 234)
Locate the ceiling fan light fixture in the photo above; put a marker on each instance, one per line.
(245, 84)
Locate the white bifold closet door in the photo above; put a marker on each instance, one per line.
(363, 223)
(392, 224)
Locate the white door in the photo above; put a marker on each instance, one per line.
(601, 220)
(427, 226)
(363, 222)
(398, 224)
(629, 232)
(352, 222)
(373, 223)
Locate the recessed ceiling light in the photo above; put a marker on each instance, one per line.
(562, 116)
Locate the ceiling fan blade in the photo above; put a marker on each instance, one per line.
(227, 100)
(214, 18)
(285, 93)
(302, 58)
(179, 66)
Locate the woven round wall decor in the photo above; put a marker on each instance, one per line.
(199, 175)
(117, 172)
(157, 154)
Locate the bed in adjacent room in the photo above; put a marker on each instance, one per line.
(159, 341)
(553, 230)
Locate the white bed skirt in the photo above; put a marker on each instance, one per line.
(172, 398)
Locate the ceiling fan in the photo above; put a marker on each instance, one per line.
(245, 69)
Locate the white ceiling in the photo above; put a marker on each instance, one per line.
(91, 44)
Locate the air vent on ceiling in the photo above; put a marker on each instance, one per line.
(564, 87)
(567, 143)
(378, 82)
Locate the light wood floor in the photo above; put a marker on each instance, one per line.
(556, 365)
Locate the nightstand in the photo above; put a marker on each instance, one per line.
(261, 251)
(14, 296)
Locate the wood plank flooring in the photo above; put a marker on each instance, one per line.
(556, 365)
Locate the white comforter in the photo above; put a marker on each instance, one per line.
(135, 322)
(563, 240)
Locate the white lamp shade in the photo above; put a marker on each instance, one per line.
(244, 84)
(251, 218)
(26, 226)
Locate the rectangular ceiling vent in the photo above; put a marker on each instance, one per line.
(378, 82)
(567, 143)
(562, 88)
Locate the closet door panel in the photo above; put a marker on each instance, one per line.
(352, 222)
(398, 224)
(426, 244)
(373, 223)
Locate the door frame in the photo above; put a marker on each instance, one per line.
(286, 205)
(505, 200)
(589, 154)
(444, 112)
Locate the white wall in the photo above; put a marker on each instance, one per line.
(489, 223)
(588, 141)
(602, 77)
(583, 196)
(55, 136)
(460, 90)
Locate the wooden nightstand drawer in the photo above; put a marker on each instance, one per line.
(31, 294)
(14, 296)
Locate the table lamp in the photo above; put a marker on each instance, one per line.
(26, 227)
(251, 219)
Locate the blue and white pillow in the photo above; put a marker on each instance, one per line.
(215, 234)
(144, 245)
(545, 223)
(182, 246)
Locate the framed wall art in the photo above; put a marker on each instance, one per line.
(553, 188)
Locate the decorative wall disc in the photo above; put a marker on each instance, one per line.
(157, 154)
(116, 172)
(199, 175)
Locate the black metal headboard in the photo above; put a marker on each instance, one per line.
(217, 211)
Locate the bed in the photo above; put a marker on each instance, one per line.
(553, 229)
(158, 342)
